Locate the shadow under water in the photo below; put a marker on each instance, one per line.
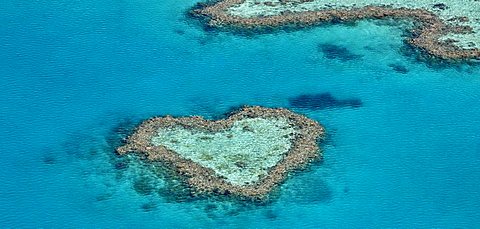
(322, 101)
(331, 51)
(399, 68)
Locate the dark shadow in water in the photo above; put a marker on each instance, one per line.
(399, 68)
(149, 206)
(440, 6)
(144, 185)
(271, 214)
(103, 197)
(307, 189)
(180, 32)
(49, 159)
(322, 101)
(331, 51)
(121, 165)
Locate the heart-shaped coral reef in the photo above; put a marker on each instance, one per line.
(246, 154)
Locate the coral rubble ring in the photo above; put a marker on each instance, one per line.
(246, 154)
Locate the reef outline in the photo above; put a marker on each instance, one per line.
(203, 180)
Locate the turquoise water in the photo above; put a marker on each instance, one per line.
(71, 72)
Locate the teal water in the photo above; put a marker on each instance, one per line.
(73, 72)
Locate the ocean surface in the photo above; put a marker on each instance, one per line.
(76, 75)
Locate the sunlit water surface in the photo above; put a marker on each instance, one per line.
(73, 73)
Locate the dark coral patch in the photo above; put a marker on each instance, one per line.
(103, 197)
(147, 207)
(120, 165)
(270, 214)
(144, 186)
(322, 101)
(399, 68)
(49, 159)
(338, 52)
(440, 6)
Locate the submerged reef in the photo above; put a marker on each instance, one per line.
(448, 32)
(246, 154)
(322, 101)
(398, 68)
(331, 51)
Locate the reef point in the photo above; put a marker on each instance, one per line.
(245, 155)
(448, 31)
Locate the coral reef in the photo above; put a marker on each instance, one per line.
(245, 155)
(427, 35)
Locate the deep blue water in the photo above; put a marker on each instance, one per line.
(72, 71)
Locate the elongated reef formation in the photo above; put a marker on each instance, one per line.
(447, 31)
(246, 154)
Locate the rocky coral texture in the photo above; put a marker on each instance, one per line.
(246, 154)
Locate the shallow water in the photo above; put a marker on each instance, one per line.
(74, 74)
